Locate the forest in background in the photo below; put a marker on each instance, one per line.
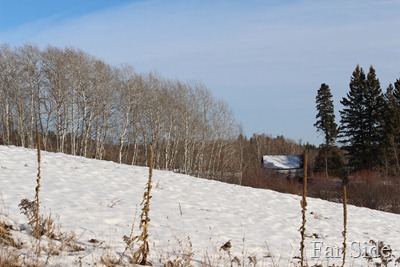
(81, 105)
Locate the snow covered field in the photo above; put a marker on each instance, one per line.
(98, 201)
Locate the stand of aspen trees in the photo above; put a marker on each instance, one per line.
(84, 106)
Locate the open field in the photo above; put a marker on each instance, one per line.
(96, 203)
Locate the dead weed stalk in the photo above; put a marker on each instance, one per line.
(303, 203)
(141, 255)
(37, 190)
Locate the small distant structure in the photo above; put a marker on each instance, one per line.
(290, 166)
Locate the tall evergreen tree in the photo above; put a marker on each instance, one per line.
(326, 124)
(326, 114)
(361, 119)
(391, 149)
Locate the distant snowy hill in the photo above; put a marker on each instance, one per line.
(99, 201)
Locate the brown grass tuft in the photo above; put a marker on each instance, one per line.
(5, 236)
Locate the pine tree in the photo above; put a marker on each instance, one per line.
(391, 149)
(326, 122)
(326, 114)
(361, 120)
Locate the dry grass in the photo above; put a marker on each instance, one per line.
(5, 236)
(110, 260)
(10, 250)
(9, 258)
(31, 252)
(42, 225)
(14, 253)
(181, 254)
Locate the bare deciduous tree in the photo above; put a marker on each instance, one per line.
(83, 106)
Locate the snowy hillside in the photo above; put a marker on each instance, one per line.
(98, 201)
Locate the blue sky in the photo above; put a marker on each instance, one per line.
(266, 59)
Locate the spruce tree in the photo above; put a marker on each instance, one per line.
(326, 114)
(391, 149)
(361, 120)
(325, 123)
